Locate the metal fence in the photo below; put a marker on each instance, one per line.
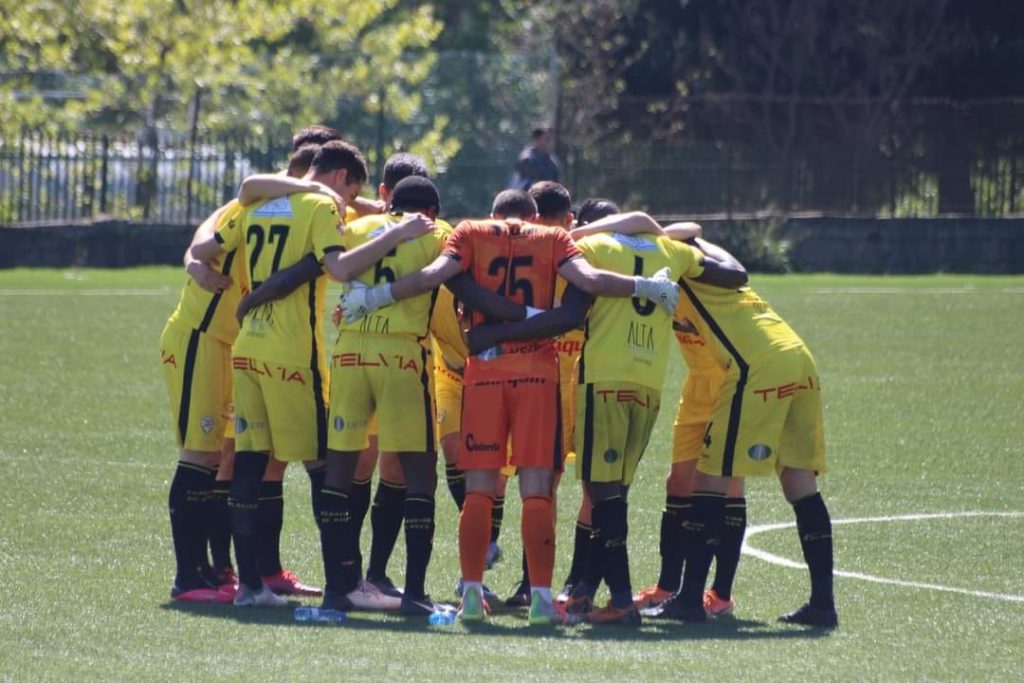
(177, 179)
(170, 179)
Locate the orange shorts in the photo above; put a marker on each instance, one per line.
(525, 410)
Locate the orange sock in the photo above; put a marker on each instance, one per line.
(538, 531)
(474, 534)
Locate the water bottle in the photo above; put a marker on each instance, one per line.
(441, 618)
(318, 615)
(489, 354)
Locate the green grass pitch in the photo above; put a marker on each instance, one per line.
(924, 401)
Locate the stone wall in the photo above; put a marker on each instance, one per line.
(98, 244)
(817, 243)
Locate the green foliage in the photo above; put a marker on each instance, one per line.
(256, 67)
(756, 242)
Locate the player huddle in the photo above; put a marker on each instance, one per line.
(515, 343)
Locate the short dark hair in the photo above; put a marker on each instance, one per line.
(553, 200)
(338, 154)
(594, 209)
(402, 165)
(514, 204)
(415, 193)
(540, 131)
(315, 135)
(301, 159)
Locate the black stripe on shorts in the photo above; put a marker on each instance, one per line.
(588, 433)
(732, 432)
(186, 384)
(428, 417)
(556, 462)
(318, 382)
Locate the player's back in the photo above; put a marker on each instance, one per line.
(214, 313)
(628, 339)
(278, 234)
(739, 322)
(520, 261)
(409, 316)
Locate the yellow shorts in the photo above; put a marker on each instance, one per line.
(197, 373)
(279, 409)
(567, 398)
(447, 400)
(385, 377)
(695, 405)
(772, 420)
(615, 423)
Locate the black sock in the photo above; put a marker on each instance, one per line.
(456, 479)
(359, 502)
(815, 528)
(593, 570)
(727, 557)
(338, 542)
(316, 487)
(525, 579)
(242, 508)
(677, 511)
(610, 518)
(419, 540)
(580, 548)
(386, 521)
(186, 503)
(270, 511)
(497, 515)
(218, 525)
(701, 536)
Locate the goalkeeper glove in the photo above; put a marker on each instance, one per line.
(660, 288)
(361, 300)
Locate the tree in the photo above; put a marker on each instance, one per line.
(250, 66)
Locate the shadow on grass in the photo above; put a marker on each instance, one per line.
(509, 624)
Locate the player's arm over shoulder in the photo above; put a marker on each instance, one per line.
(219, 233)
(695, 264)
(570, 315)
(344, 265)
(631, 223)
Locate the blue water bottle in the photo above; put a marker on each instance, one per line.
(318, 615)
(441, 618)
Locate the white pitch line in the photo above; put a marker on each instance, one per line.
(785, 562)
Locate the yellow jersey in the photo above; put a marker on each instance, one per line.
(739, 325)
(692, 334)
(214, 313)
(628, 339)
(351, 215)
(278, 234)
(569, 345)
(449, 342)
(408, 316)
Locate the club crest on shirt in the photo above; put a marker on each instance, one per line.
(206, 424)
